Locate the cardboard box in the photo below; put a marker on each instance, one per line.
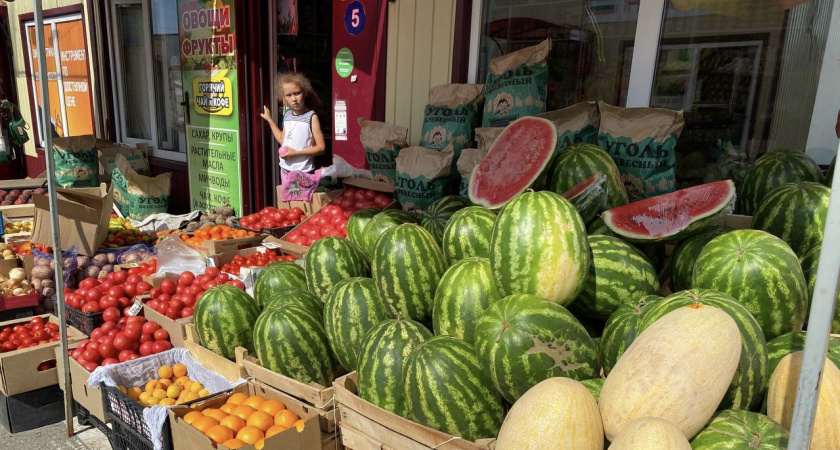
(83, 218)
(210, 248)
(186, 437)
(7, 265)
(364, 183)
(30, 410)
(26, 183)
(19, 369)
(319, 200)
(218, 363)
(371, 427)
(175, 328)
(89, 397)
(18, 213)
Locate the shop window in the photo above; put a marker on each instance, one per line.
(147, 72)
(71, 112)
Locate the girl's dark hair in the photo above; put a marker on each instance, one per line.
(309, 96)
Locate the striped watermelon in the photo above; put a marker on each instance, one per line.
(445, 389)
(589, 197)
(747, 388)
(467, 234)
(330, 260)
(300, 297)
(524, 339)
(276, 277)
(465, 291)
(352, 308)
(829, 174)
(618, 274)
(738, 429)
(670, 217)
(357, 222)
(384, 350)
(622, 328)
(795, 213)
(379, 224)
(685, 255)
(809, 261)
(579, 161)
(789, 343)
(434, 219)
(291, 341)
(594, 386)
(655, 252)
(772, 170)
(407, 266)
(762, 273)
(224, 317)
(539, 247)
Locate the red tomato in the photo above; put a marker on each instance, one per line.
(121, 342)
(147, 348)
(161, 346)
(161, 335)
(133, 279)
(146, 337)
(108, 301)
(155, 293)
(88, 283)
(92, 355)
(109, 361)
(142, 288)
(93, 294)
(111, 314)
(124, 302)
(120, 276)
(188, 300)
(173, 313)
(91, 307)
(186, 312)
(132, 332)
(223, 278)
(212, 272)
(124, 355)
(167, 286)
(89, 366)
(150, 327)
(210, 284)
(106, 284)
(107, 349)
(37, 320)
(108, 326)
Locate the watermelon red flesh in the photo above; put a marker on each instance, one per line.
(581, 187)
(673, 215)
(515, 161)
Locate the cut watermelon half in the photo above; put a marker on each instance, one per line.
(589, 196)
(514, 162)
(672, 216)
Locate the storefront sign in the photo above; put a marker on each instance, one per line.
(209, 77)
(344, 62)
(354, 18)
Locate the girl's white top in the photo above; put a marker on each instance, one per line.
(298, 135)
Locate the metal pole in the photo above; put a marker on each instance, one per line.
(59, 272)
(819, 327)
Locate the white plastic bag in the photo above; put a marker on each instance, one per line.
(175, 256)
(341, 169)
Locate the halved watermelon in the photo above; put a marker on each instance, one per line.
(514, 163)
(589, 196)
(672, 216)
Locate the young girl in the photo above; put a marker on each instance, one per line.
(301, 138)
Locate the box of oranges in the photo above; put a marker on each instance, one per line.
(254, 416)
(213, 240)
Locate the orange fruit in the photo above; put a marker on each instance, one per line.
(237, 398)
(234, 443)
(228, 407)
(204, 423)
(260, 444)
(286, 418)
(217, 414)
(192, 416)
(233, 422)
(250, 435)
(243, 412)
(271, 407)
(261, 420)
(254, 401)
(165, 372)
(274, 430)
(300, 425)
(179, 370)
(219, 433)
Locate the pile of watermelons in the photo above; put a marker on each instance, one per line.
(508, 319)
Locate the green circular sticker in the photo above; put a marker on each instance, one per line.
(344, 62)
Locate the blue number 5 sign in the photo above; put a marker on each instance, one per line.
(354, 18)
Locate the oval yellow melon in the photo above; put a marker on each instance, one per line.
(678, 369)
(557, 413)
(647, 433)
(781, 396)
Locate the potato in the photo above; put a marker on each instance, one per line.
(37, 284)
(100, 260)
(48, 292)
(82, 261)
(68, 263)
(48, 283)
(92, 271)
(131, 258)
(112, 257)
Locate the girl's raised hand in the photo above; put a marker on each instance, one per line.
(266, 115)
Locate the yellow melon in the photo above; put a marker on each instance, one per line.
(678, 369)
(557, 413)
(647, 433)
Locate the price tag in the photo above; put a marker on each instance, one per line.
(136, 308)
(271, 245)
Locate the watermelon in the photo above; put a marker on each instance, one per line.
(686, 253)
(357, 222)
(330, 260)
(738, 429)
(588, 196)
(622, 328)
(594, 386)
(465, 291)
(278, 276)
(795, 342)
(579, 161)
(809, 262)
(407, 266)
(795, 213)
(435, 217)
(514, 163)
(224, 317)
(444, 388)
(772, 170)
(384, 350)
(300, 297)
(539, 247)
(291, 341)
(747, 388)
(379, 224)
(524, 339)
(762, 273)
(670, 217)
(467, 234)
(352, 308)
(829, 174)
(618, 274)
(654, 251)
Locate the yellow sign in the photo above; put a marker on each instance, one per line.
(213, 95)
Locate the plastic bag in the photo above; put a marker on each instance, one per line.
(43, 273)
(174, 256)
(139, 253)
(342, 169)
(298, 186)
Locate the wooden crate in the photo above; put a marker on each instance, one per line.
(231, 370)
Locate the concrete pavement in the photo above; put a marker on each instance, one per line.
(54, 437)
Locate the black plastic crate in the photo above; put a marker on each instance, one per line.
(33, 409)
(125, 437)
(129, 412)
(84, 322)
(88, 419)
